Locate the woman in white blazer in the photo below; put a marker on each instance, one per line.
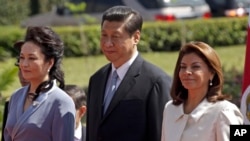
(198, 110)
(41, 110)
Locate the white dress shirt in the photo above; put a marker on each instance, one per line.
(121, 71)
(78, 132)
(207, 122)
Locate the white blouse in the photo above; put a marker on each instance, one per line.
(207, 122)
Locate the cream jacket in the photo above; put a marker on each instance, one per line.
(207, 122)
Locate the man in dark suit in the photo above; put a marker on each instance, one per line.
(141, 89)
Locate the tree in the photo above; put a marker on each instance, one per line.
(47, 5)
(13, 11)
(34, 7)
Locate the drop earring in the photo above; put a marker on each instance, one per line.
(210, 83)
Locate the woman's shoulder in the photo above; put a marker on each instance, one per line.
(60, 97)
(58, 93)
(170, 106)
(228, 111)
(169, 103)
(225, 105)
(19, 92)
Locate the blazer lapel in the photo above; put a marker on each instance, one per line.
(24, 115)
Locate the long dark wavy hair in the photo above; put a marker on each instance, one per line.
(52, 47)
(179, 94)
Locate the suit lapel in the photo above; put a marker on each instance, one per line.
(100, 91)
(126, 85)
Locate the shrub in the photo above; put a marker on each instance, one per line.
(232, 84)
(156, 36)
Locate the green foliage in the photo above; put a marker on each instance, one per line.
(47, 5)
(8, 36)
(4, 54)
(13, 11)
(233, 83)
(83, 40)
(218, 31)
(7, 77)
(87, 19)
(75, 8)
(75, 46)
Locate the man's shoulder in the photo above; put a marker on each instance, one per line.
(154, 69)
(104, 67)
(102, 70)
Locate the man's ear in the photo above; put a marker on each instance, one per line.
(136, 37)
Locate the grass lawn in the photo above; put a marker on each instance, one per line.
(78, 70)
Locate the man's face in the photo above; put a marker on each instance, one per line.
(116, 43)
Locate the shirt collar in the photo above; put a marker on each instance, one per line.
(78, 132)
(122, 70)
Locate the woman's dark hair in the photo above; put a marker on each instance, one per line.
(52, 47)
(178, 93)
(132, 19)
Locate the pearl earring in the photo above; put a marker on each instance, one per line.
(210, 83)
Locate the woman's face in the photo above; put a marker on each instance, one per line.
(32, 63)
(194, 73)
(22, 81)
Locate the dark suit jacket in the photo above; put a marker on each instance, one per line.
(136, 110)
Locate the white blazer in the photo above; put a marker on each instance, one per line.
(207, 122)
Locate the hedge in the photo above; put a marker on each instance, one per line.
(156, 36)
